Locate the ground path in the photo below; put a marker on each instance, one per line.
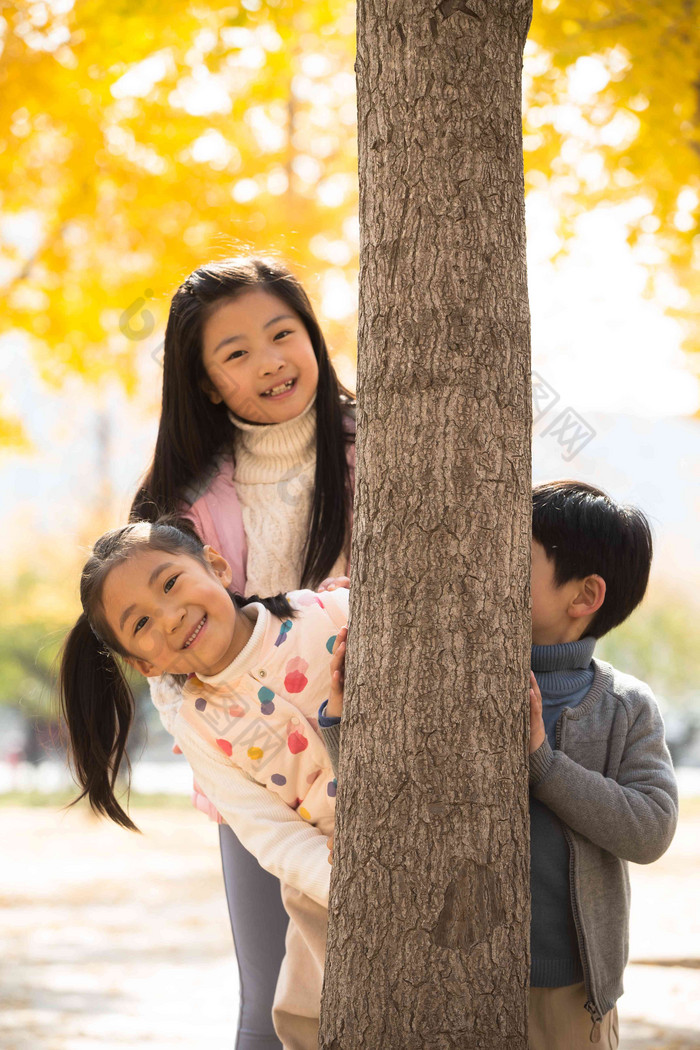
(109, 939)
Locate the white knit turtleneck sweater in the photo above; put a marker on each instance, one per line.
(274, 481)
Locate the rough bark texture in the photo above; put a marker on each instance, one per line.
(428, 943)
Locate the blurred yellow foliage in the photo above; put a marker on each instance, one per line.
(139, 140)
(11, 431)
(612, 113)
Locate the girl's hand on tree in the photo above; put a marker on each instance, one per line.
(334, 707)
(329, 843)
(537, 733)
(331, 582)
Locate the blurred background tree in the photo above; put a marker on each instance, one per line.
(661, 641)
(612, 116)
(139, 140)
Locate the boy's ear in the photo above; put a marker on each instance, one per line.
(590, 597)
(219, 566)
(143, 667)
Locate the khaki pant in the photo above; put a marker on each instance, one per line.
(558, 1021)
(297, 1004)
(557, 1018)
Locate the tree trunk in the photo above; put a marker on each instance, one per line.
(428, 940)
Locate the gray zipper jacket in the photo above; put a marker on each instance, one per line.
(612, 785)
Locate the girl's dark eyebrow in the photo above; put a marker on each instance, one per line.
(157, 571)
(151, 580)
(233, 338)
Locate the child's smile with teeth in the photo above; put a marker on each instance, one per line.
(158, 595)
(279, 389)
(195, 633)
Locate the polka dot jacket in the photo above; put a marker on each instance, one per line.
(260, 712)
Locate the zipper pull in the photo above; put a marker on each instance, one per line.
(595, 1019)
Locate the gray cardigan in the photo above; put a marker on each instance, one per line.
(611, 783)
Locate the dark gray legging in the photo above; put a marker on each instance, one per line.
(259, 925)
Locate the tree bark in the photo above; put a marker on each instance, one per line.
(428, 939)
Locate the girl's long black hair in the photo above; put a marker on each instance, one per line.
(96, 703)
(193, 432)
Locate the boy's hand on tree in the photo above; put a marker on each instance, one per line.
(331, 582)
(329, 843)
(537, 733)
(334, 707)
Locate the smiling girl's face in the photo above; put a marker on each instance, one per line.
(172, 613)
(258, 358)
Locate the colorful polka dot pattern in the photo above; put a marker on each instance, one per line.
(266, 696)
(295, 679)
(309, 599)
(284, 631)
(297, 768)
(297, 742)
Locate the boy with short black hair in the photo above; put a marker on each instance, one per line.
(602, 788)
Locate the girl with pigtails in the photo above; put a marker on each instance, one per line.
(252, 674)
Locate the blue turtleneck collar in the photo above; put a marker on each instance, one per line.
(564, 674)
(567, 656)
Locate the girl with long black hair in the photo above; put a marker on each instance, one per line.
(256, 447)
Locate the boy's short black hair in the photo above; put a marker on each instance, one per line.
(585, 532)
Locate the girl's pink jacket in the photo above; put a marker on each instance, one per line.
(216, 514)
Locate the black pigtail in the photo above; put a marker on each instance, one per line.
(277, 604)
(98, 710)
